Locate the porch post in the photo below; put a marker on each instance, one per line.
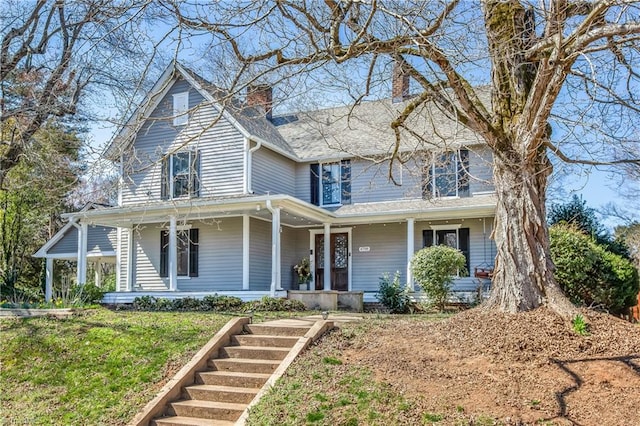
(275, 251)
(130, 245)
(245, 251)
(82, 254)
(327, 257)
(97, 273)
(410, 250)
(48, 285)
(173, 254)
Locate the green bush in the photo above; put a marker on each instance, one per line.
(393, 295)
(434, 268)
(90, 293)
(274, 304)
(589, 274)
(222, 303)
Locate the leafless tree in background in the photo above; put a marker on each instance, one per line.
(58, 55)
(563, 79)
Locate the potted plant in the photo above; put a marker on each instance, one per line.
(303, 272)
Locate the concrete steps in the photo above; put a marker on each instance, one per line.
(220, 394)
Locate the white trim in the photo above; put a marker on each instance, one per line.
(118, 257)
(275, 249)
(320, 183)
(246, 228)
(312, 254)
(327, 257)
(74, 255)
(446, 226)
(48, 292)
(43, 251)
(172, 261)
(130, 260)
(83, 230)
(410, 251)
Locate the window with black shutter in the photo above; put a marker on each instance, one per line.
(446, 175)
(330, 183)
(456, 238)
(180, 175)
(186, 253)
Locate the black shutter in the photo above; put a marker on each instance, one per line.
(427, 238)
(193, 252)
(345, 181)
(164, 253)
(314, 184)
(195, 174)
(427, 179)
(463, 244)
(164, 179)
(463, 173)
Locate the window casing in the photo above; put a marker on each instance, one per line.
(181, 175)
(457, 238)
(447, 175)
(331, 183)
(186, 253)
(180, 109)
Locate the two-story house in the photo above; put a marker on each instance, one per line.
(220, 196)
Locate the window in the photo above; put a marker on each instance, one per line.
(456, 238)
(447, 175)
(180, 109)
(186, 253)
(331, 183)
(181, 175)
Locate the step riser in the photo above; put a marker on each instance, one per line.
(275, 330)
(204, 412)
(243, 352)
(230, 365)
(220, 396)
(169, 422)
(255, 340)
(241, 382)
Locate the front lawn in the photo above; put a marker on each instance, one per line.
(97, 367)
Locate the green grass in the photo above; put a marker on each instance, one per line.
(98, 367)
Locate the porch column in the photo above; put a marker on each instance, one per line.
(410, 251)
(82, 254)
(48, 284)
(173, 254)
(97, 273)
(130, 260)
(245, 251)
(275, 251)
(327, 257)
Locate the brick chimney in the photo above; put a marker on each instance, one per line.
(399, 84)
(261, 96)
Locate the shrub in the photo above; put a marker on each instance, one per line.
(90, 293)
(274, 304)
(434, 268)
(589, 274)
(394, 296)
(222, 303)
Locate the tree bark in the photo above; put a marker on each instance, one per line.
(523, 276)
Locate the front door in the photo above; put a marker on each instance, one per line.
(339, 261)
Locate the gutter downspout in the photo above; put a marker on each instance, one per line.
(275, 248)
(250, 151)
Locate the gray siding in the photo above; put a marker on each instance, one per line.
(295, 246)
(260, 255)
(101, 239)
(219, 263)
(273, 173)
(370, 181)
(481, 169)
(67, 244)
(387, 254)
(303, 188)
(220, 144)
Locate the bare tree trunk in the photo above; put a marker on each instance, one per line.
(523, 277)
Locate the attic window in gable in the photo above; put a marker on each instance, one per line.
(180, 109)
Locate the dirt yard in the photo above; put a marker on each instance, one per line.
(527, 368)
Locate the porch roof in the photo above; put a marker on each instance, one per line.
(294, 212)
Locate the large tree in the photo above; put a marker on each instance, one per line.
(563, 77)
(53, 53)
